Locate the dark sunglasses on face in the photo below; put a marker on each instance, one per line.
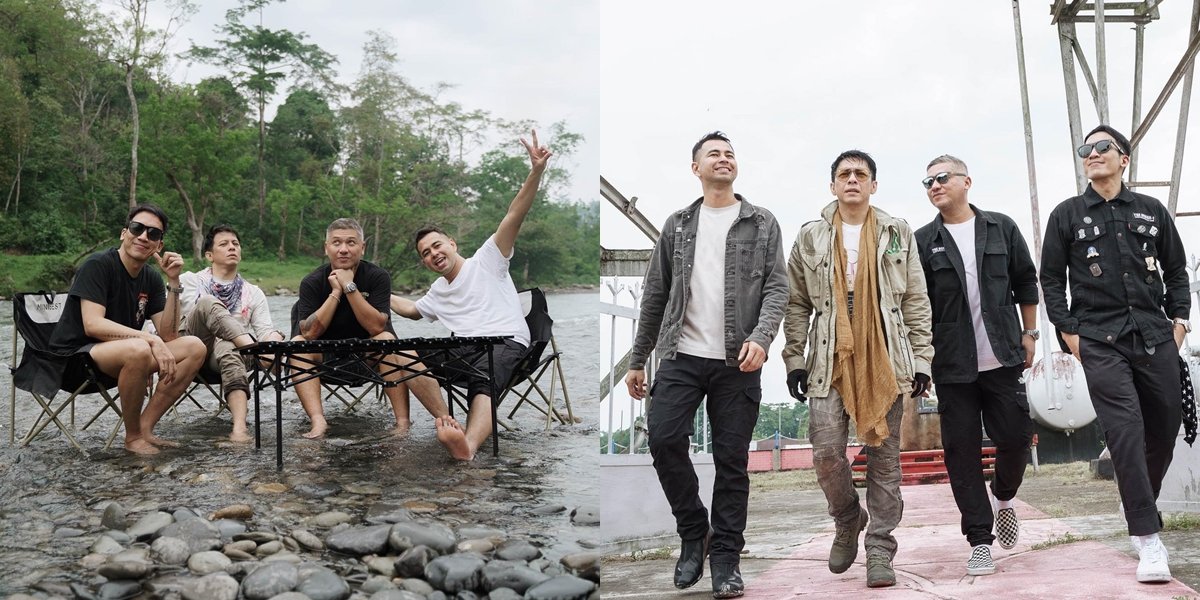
(941, 178)
(136, 229)
(1101, 147)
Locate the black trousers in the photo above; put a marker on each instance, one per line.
(732, 404)
(1136, 393)
(998, 396)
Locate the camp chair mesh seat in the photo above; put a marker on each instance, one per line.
(339, 383)
(35, 315)
(526, 377)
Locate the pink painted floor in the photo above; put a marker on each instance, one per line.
(931, 563)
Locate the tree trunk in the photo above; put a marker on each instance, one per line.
(375, 241)
(262, 173)
(133, 143)
(194, 226)
(282, 253)
(299, 229)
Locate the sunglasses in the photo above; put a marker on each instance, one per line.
(1101, 147)
(136, 229)
(941, 178)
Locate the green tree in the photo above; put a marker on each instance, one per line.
(259, 59)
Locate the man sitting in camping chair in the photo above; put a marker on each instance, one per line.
(475, 297)
(107, 306)
(226, 312)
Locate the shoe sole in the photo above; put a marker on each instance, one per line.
(728, 594)
(1154, 578)
(881, 583)
(862, 524)
(983, 571)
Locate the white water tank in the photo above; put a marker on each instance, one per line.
(1058, 395)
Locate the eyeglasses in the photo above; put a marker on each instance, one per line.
(857, 174)
(136, 229)
(1101, 147)
(941, 178)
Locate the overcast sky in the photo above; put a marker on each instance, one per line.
(795, 83)
(517, 59)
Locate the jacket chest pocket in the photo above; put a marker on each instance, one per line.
(942, 271)
(1144, 235)
(1085, 237)
(995, 260)
(816, 265)
(751, 259)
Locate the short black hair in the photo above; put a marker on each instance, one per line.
(1122, 141)
(424, 231)
(150, 208)
(212, 235)
(852, 155)
(715, 135)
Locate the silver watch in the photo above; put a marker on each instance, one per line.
(1187, 325)
(1033, 333)
(350, 288)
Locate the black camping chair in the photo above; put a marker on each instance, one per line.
(526, 380)
(339, 383)
(40, 371)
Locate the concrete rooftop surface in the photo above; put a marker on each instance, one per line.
(1073, 544)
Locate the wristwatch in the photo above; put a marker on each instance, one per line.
(1187, 325)
(177, 290)
(350, 288)
(1033, 333)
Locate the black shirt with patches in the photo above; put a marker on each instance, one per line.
(1125, 263)
(102, 279)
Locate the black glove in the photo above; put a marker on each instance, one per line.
(797, 383)
(920, 385)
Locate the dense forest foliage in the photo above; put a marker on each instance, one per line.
(90, 124)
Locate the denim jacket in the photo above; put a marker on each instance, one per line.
(903, 301)
(755, 284)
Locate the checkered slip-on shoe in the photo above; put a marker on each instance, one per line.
(1008, 528)
(980, 562)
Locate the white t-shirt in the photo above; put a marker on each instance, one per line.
(703, 332)
(253, 312)
(851, 236)
(481, 301)
(964, 238)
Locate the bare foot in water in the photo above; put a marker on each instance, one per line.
(401, 428)
(239, 435)
(318, 429)
(140, 446)
(452, 436)
(161, 443)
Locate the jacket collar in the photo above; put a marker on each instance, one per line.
(881, 217)
(1091, 198)
(745, 208)
(938, 222)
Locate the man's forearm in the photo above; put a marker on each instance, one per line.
(313, 326)
(170, 318)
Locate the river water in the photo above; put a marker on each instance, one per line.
(52, 494)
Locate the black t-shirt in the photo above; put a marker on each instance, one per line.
(374, 283)
(127, 300)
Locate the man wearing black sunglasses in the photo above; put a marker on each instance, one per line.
(1124, 261)
(977, 267)
(110, 299)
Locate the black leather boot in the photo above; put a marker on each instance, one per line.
(727, 580)
(690, 568)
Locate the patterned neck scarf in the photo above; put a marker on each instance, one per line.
(230, 294)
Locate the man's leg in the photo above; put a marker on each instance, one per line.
(189, 354)
(884, 502)
(397, 394)
(224, 358)
(309, 391)
(1156, 378)
(676, 394)
(962, 440)
(1110, 380)
(828, 431)
(1005, 410)
(131, 363)
(733, 403)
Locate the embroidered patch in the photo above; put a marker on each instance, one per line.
(938, 249)
(1150, 264)
(1087, 220)
(1143, 216)
(1095, 269)
(1092, 252)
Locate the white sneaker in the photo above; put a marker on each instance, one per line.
(980, 562)
(1153, 565)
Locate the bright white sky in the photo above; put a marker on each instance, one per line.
(795, 83)
(516, 59)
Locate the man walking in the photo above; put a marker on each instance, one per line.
(858, 302)
(1128, 315)
(713, 299)
(977, 267)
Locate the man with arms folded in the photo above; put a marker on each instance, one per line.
(226, 312)
(977, 267)
(109, 301)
